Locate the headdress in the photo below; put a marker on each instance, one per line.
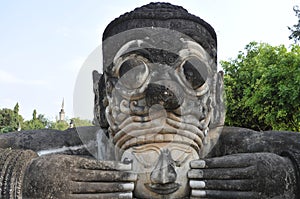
(166, 15)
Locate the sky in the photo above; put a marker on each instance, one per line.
(46, 47)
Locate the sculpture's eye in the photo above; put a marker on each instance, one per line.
(194, 72)
(180, 156)
(133, 72)
(127, 65)
(147, 158)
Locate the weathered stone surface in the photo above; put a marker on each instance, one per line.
(65, 176)
(247, 175)
(13, 164)
(160, 103)
(240, 140)
(164, 95)
(47, 139)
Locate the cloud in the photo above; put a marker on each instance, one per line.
(8, 78)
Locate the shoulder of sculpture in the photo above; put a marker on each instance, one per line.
(44, 139)
(242, 140)
(234, 129)
(231, 131)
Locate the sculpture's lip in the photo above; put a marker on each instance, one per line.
(163, 189)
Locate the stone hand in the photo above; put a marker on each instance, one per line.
(62, 176)
(256, 175)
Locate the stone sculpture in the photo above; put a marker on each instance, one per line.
(160, 106)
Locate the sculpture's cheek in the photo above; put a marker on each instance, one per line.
(182, 179)
(142, 163)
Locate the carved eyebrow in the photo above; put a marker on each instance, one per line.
(150, 53)
(181, 148)
(128, 47)
(142, 149)
(142, 52)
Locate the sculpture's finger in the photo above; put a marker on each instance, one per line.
(84, 175)
(237, 185)
(104, 165)
(121, 195)
(216, 194)
(197, 164)
(100, 187)
(222, 173)
(230, 161)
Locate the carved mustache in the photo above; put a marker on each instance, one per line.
(133, 132)
(199, 116)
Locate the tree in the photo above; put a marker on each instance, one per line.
(16, 108)
(37, 122)
(45, 121)
(262, 88)
(80, 122)
(60, 125)
(295, 29)
(74, 122)
(10, 120)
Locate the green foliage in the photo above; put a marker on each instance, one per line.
(79, 122)
(37, 122)
(63, 125)
(295, 29)
(262, 88)
(60, 125)
(10, 120)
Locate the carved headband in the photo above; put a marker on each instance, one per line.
(165, 15)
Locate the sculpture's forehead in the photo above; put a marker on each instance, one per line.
(167, 40)
(182, 48)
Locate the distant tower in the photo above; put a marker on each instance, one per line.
(62, 111)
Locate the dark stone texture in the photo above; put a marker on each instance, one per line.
(13, 164)
(240, 140)
(170, 97)
(247, 175)
(64, 176)
(273, 144)
(44, 139)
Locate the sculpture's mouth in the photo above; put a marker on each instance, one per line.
(163, 189)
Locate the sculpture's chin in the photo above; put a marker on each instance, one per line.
(163, 189)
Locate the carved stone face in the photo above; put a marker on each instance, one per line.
(161, 169)
(161, 91)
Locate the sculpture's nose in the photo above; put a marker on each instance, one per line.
(166, 93)
(164, 171)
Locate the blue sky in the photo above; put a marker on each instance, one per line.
(44, 43)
